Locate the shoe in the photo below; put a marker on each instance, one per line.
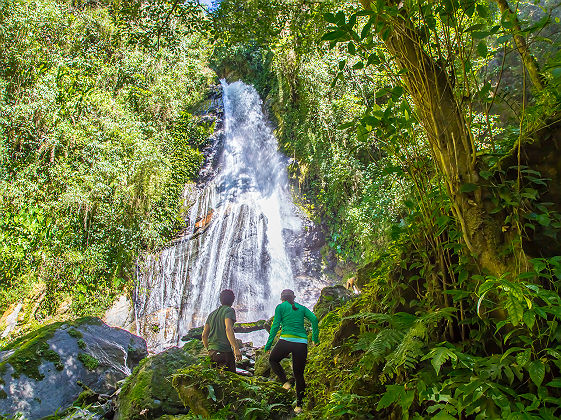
(287, 385)
(297, 410)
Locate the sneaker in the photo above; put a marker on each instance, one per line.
(297, 410)
(287, 385)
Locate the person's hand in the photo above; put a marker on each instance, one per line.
(238, 355)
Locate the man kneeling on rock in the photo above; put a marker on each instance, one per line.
(218, 334)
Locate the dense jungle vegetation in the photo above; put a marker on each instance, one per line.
(425, 137)
(97, 143)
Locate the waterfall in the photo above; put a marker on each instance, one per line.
(243, 233)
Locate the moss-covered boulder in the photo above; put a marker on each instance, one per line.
(331, 298)
(263, 368)
(148, 392)
(40, 372)
(213, 393)
(367, 272)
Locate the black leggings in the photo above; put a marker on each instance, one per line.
(299, 354)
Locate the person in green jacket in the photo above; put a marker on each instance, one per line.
(293, 339)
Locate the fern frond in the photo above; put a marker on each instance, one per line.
(386, 339)
(410, 350)
(443, 313)
(370, 317)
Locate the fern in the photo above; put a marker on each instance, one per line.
(400, 340)
(370, 317)
(409, 351)
(386, 340)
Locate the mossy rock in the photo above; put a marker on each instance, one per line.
(27, 353)
(213, 393)
(367, 272)
(263, 367)
(331, 298)
(149, 390)
(50, 361)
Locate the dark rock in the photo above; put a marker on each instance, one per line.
(246, 327)
(148, 392)
(331, 298)
(365, 273)
(40, 372)
(193, 334)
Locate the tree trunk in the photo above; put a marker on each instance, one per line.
(528, 59)
(450, 141)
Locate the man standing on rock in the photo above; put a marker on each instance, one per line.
(218, 334)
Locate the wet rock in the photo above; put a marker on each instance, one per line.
(120, 314)
(148, 392)
(9, 319)
(193, 334)
(158, 328)
(331, 298)
(39, 373)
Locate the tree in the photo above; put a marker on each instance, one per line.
(430, 85)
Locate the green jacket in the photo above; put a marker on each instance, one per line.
(292, 323)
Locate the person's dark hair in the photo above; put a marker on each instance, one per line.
(287, 295)
(226, 297)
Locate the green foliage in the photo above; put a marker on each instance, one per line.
(90, 362)
(75, 333)
(29, 352)
(96, 144)
(220, 394)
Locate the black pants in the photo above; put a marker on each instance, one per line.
(299, 354)
(223, 359)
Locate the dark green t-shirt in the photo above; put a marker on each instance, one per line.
(217, 338)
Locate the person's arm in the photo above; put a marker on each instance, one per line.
(315, 327)
(206, 331)
(274, 328)
(232, 338)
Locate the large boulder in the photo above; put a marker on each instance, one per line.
(331, 298)
(263, 367)
(147, 393)
(40, 372)
(209, 391)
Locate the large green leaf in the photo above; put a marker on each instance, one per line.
(393, 394)
(439, 356)
(536, 369)
(515, 309)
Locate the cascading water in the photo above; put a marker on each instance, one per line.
(244, 234)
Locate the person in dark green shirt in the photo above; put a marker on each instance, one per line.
(218, 334)
(293, 339)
